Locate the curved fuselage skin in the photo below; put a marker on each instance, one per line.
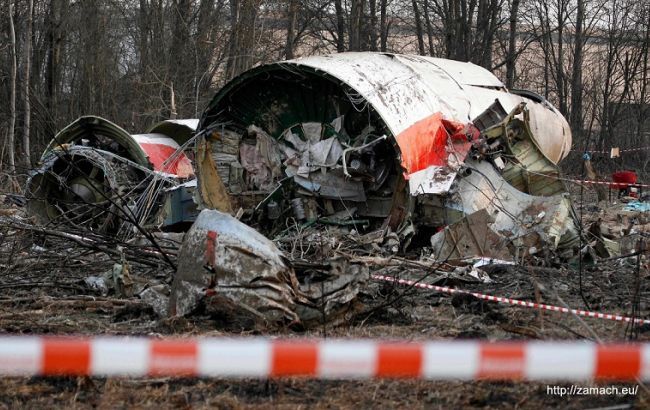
(404, 89)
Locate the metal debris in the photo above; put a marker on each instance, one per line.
(222, 257)
(225, 264)
(95, 174)
(469, 238)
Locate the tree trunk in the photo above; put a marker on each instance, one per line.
(204, 40)
(383, 26)
(340, 26)
(418, 28)
(231, 66)
(559, 68)
(511, 58)
(11, 143)
(372, 27)
(182, 74)
(292, 10)
(144, 28)
(486, 25)
(576, 77)
(243, 14)
(26, 90)
(172, 103)
(54, 51)
(427, 21)
(356, 23)
(457, 19)
(644, 107)
(547, 68)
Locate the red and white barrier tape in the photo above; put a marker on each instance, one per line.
(515, 302)
(331, 359)
(609, 151)
(611, 184)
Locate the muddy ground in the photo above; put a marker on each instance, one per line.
(42, 291)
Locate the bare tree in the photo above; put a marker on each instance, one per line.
(11, 144)
(372, 25)
(356, 24)
(182, 75)
(469, 28)
(588, 57)
(427, 20)
(512, 45)
(643, 101)
(292, 11)
(553, 21)
(340, 26)
(418, 27)
(243, 14)
(55, 38)
(384, 26)
(576, 120)
(27, 68)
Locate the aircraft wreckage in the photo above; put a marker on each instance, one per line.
(395, 144)
(391, 146)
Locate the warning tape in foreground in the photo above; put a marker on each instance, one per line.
(330, 359)
(514, 302)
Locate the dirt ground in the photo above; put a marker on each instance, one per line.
(42, 291)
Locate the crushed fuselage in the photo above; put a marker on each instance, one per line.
(374, 142)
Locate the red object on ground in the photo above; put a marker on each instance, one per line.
(623, 179)
(625, 176)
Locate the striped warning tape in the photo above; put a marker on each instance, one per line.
(333, 359)
(514, 302)
(608, 151)
(611, 184)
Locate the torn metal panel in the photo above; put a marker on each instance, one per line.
(333, 185)
(150, 150)
(179, 130)
(332, 288)
(212, 191)
(470, 237)
(432, 180)
(515, 213)
(100, 133)
(74, 187)
(224, 262)
(432, 151)
(222, 256)
(524, 166)
(165, 155)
